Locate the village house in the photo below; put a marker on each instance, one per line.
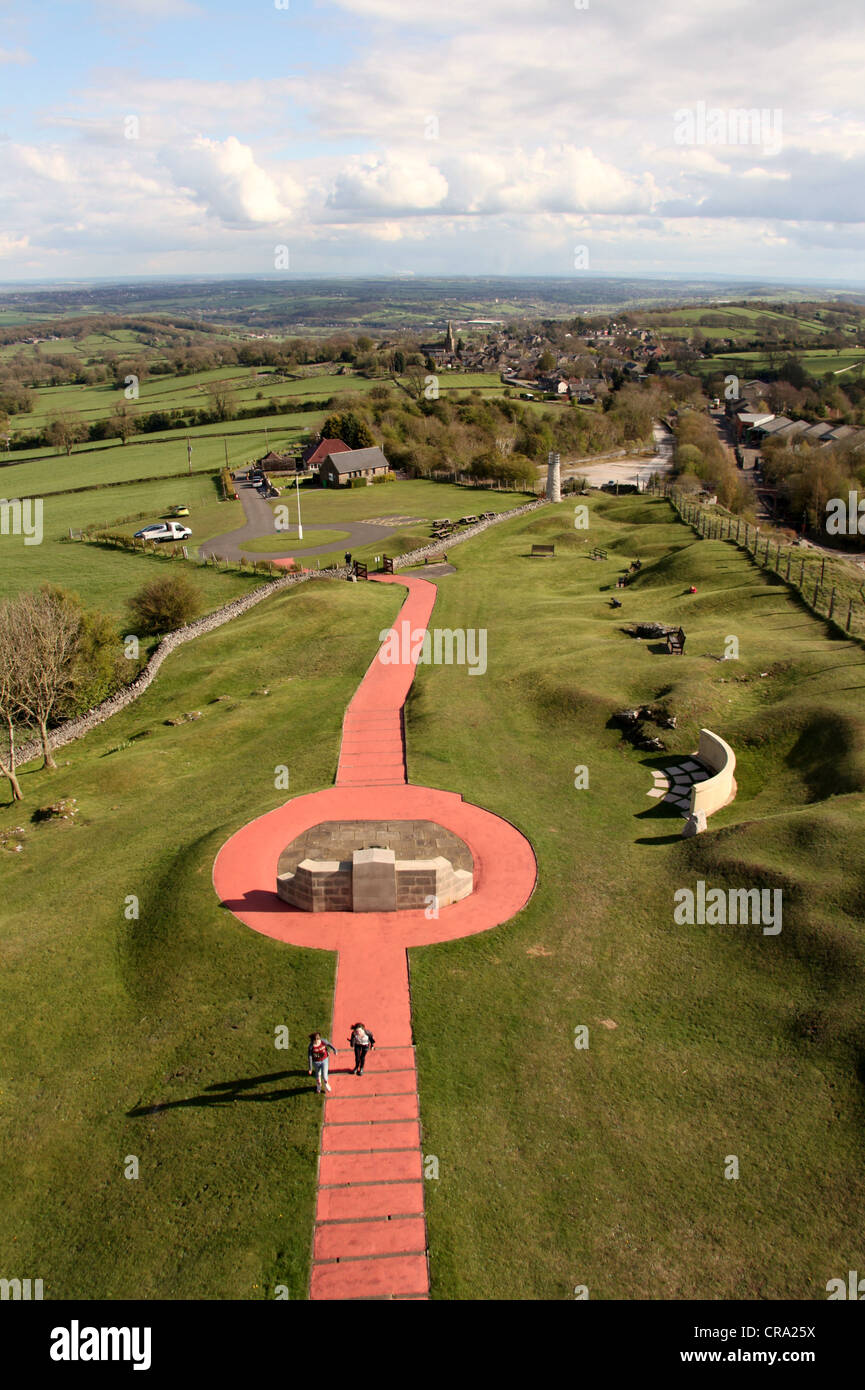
(341, 468)
(315, 453)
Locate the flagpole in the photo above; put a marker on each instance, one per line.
(299, 526)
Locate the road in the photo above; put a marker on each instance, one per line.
(260, 522)
(630, 469)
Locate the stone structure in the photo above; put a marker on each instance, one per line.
(373, 880)
(716, 791)
(374, 866)
(554, 478)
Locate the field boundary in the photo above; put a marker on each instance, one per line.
(825, 598)
(83, 724)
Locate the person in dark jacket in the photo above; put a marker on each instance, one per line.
(318, 1060)
(362, 1041)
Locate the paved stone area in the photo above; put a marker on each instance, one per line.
(674, 783)
(259, 523)
(409, 839)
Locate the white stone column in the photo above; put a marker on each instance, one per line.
(554, 478)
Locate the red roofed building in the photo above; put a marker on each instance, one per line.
(315, 454)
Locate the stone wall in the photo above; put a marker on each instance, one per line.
(76, 728)
(416, 557)
(323, 886)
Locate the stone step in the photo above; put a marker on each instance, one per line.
(366, 1138)
(345, 1240)
(348, 1110)
(398, 1165)
(386, 1277)
(378, 1199)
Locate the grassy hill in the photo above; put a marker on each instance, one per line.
(557, 1166)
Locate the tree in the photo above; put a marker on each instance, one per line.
(546, 361)
(163, 605)
(122, 422)
(10, 685)
(348, 427)
(64, 431)
(49, 628)
(223, 400)
(398, 362)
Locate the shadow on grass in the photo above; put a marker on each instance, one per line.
(259, 900)
(227, 1092)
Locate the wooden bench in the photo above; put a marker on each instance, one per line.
(360, 570)
(676, 642)
(387, 564)
(543, 550)
(597, 554)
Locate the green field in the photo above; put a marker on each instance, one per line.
(558, 1167)
(415, 501)
(105, 577)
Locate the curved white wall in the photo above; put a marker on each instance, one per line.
(717, 791)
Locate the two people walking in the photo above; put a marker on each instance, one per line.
(318, 1061)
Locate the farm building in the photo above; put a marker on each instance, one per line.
(340, 468)
(315, 453)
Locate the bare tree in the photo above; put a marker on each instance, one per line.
(64, 431)
(48, 635)
(223, 399)
(10, 682)
(122, 422)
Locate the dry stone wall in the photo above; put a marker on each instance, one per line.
(84, 723)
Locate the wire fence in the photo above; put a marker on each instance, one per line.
(832, 588)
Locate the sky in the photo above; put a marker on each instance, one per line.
(376, 137)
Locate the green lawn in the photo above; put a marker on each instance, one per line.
(287, 540)
(105, 577)
(156, 1037)
(605, 1167)
(413, 500)
(558, 1167)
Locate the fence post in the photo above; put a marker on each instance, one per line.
(849, 613)
(738, 525)
(831, 604)
(787, 575)
(778, 559)
(802, 574)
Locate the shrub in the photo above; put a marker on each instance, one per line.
(164, 605)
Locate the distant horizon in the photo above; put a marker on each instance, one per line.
(310, 277)
(356, 138)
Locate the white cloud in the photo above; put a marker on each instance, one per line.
(225, 177)
(391, 184)
(15, 55)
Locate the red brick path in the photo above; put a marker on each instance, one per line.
(370, 1232)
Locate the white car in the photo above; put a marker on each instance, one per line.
(163, 531)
